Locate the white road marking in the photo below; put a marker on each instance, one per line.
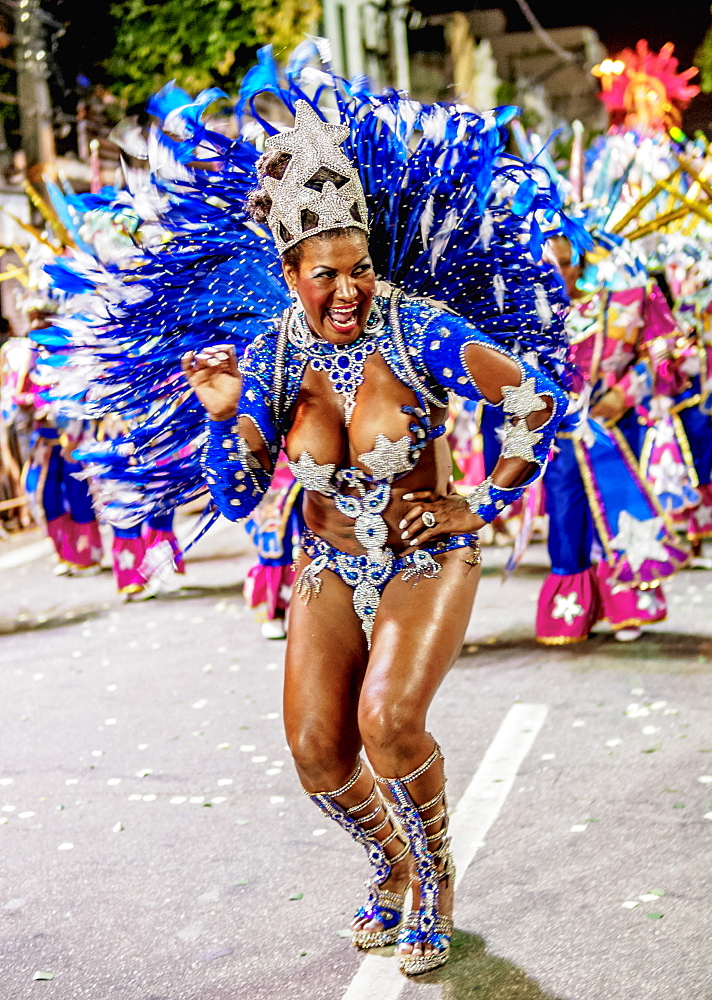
(474, 814)
(25, 554)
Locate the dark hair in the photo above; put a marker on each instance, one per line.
(270, 164)
(274, 163)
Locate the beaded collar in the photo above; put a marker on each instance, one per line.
(343, 364)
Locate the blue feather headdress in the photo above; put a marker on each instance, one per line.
(453, 217)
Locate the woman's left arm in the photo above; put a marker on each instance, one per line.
(466, 362)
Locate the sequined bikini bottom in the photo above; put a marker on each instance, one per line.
(368, 574)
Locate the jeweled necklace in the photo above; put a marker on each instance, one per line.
(343, 363)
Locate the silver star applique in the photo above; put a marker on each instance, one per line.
(126, 559)
(703, 514)
(519, 441)
(638, 540)
(667, 475)
(312, 476)
(647, 600)
(617, 360)
(480, 495)
(566, 606)
(388, 458)
(521, 400)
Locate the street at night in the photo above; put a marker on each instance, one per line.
(157, 846)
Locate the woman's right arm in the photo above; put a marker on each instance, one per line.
(243, 442)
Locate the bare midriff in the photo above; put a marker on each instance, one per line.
(318, 426)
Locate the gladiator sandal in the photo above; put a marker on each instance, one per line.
(382, 905)
(424, 926)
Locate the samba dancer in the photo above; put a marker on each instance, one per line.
(354, 376)
(356, 379)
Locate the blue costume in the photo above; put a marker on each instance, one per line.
(424, 348)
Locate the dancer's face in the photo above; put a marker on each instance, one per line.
(570, 272)
(335, 282)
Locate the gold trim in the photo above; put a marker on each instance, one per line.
(685, 449)
(633, 622)
(590, 490)
(632, 461)
(561, 640)
(671, 536)
(685, 404)
(635, 209)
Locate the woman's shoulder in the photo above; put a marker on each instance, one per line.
(422, 316)
(263, 346)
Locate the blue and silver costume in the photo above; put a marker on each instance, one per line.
(453, 219)
(424, 347)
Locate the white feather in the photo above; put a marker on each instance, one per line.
(486, 229)
(426, 221)
(542, 306)
(499, 290)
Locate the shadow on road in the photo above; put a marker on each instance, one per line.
(655, 652)
(55, 618)
(474, 974)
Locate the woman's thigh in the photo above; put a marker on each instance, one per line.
(325, 663)
(417, 636)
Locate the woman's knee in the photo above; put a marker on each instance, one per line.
(391, 723)
(324, 760)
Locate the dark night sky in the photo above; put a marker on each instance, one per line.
(619, 23)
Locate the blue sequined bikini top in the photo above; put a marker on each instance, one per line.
(388, 460)
(422, 344)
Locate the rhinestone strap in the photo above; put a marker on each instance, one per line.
(398, 340)
(435, 755)
(344, 788)
(488, 499)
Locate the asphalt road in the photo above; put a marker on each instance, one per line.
(155, 843)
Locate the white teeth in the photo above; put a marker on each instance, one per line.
(343, 317)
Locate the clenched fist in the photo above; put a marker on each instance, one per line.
(214, 376)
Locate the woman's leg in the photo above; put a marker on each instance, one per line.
(417, 636)
(325, 662)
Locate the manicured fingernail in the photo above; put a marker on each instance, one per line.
(403, 524)
(404, 535)
(407, 496)
(213, 362)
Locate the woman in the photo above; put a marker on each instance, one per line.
(593, 486)
(355, 379)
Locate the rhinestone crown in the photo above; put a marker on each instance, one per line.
(320, 188)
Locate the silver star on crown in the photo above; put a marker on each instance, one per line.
(313, 144)
(521, 400)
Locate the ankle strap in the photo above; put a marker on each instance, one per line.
(434, 819)
(429, 805)
(366, 802)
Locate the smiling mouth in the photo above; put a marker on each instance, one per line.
(343, 319)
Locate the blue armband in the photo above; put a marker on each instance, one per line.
(235, 476)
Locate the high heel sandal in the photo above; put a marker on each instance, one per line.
(424, 926)
(382, 905)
